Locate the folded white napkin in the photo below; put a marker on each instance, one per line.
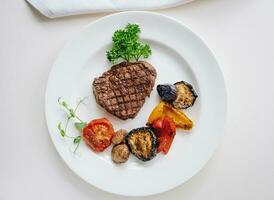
(59, 8)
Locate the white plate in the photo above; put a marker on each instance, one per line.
(177, 54)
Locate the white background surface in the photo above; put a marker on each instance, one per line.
(240, 33)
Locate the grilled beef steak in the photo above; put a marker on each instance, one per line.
(122, 90)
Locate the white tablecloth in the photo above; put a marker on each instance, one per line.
(241, 35)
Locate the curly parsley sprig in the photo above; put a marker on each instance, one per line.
(127, 45)
(71, 114)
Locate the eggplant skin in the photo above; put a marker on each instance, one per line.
(167, 92)
(186, 95)
(142, 143)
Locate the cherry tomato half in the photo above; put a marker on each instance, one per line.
(98, 134)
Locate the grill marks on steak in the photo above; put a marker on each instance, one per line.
(122, 90)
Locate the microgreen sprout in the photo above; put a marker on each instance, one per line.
(71, 114)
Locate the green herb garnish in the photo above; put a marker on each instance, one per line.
(71, 114)
(80, 125)
(127, 45)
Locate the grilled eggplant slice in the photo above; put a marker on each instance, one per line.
(142, 143)
(186, 95)
(167, 92)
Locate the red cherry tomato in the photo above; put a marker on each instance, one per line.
(165, 131)
(98, 134)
